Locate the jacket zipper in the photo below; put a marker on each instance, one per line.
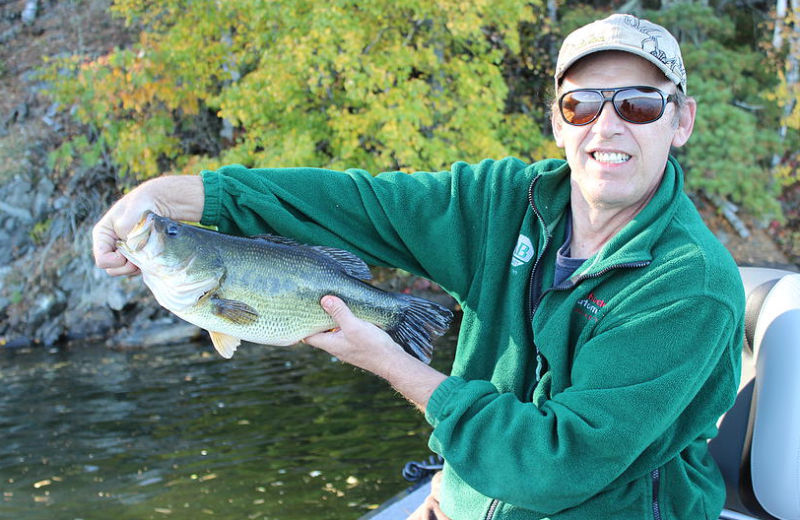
(532, 286)
(656, 477)
(492, 509)
(541, 253)
(532, 307)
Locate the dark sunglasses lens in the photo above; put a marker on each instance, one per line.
(580, 108)
(639, 105)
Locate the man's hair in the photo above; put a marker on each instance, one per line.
(680, 102)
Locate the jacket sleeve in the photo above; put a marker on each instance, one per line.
(641, 392)
(430, 224)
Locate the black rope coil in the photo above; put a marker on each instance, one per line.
(417, 471)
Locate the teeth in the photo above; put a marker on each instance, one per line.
(611, 157)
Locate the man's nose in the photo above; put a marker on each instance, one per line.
(608, 122)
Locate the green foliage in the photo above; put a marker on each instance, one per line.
(734, 136)
(39, 231)
(396, 85)
(375, 85)
(786, 95)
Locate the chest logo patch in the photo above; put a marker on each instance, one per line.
(523, 251)
(590, 308)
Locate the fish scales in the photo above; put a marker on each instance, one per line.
(267, 289)
(287, 314)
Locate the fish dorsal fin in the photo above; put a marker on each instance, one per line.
(350, 263)
(224, 343)
(277, 239)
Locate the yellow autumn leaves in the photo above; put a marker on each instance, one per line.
(376, 85)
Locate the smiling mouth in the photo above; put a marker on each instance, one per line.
(611, 157)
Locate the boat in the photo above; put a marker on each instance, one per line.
(758, 445)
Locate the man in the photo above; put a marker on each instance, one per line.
(602, 320)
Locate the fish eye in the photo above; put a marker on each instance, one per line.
(172, 230)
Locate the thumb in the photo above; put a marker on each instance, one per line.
(338, 310)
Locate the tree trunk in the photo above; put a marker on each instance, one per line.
(29, 12)
(792, 66)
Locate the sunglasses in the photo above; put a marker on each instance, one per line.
(639, 105)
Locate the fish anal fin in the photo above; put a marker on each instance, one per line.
(233, 310)
(224, 343)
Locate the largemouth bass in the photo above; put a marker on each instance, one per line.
(267, 289)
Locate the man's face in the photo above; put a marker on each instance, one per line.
(617, 165)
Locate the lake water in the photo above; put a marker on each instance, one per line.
(176, 432)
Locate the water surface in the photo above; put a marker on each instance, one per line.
(177, 432)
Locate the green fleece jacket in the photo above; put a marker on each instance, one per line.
(640, 348)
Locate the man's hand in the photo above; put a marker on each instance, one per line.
(430, 510)
(179, 197)
(356, 341)
(115, 225)
(366, 346)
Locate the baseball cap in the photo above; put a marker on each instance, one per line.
(624, 32)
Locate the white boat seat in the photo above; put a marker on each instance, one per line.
(758, 446)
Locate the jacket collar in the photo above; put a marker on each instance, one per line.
(550, 195)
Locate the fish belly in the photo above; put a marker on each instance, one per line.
(289, 308)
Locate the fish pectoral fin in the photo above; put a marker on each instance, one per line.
(224, 343)
(233, 310)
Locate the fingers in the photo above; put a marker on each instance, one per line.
(436, 485)
(128, 269)
(104, 247)
(428, 510)
(346, 329)
(115, 225)
(339, 311)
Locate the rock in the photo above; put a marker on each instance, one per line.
(85, 324)
(59, 227)
(5, 270)
(17, 115)
(5, 248)
(41, 199)
(16, 212)
(116, 299)
(156, 333)
(10, 34)
(49, 333)
(46, 307)
(29, 12)
(61, 202)
(18, 342)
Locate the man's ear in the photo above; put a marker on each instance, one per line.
(556, 122)
(685, 123)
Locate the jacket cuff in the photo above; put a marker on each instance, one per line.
(435, 411)
(212, 205)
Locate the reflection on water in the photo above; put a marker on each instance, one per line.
(179, 433)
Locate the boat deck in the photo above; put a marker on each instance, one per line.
(402, 504)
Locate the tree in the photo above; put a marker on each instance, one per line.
(730, 151)
(786, 43)
(376, 85)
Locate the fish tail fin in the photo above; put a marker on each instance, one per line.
(419, 324)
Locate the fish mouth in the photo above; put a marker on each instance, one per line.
(140, 234)
(143, 241)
